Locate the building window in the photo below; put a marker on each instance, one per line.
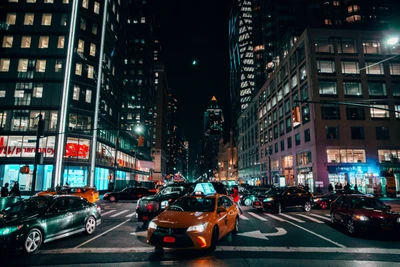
(96, 8)
(83, 24)
(346, 155)
(347, 46)
(19, 93)
(323, 46)
(44, 42)
(41, 66)
(88, 97)
(23, 65)
(397, 111)
(46, 19)
(64, 18)
(297, 139)
(143, 20)
(26, 42)
(289, 142)
(304, 158)
(372, 47)
(37, 91)
(355, 113)
(85, 4)
(289, 124)
(276, 147)
(58, 66)
(78, 69)
(326, 66)
(377, 111)
(377, 89)
(81, 46)
(396, 89)
(294, 81)
(61, 42)
(330, 112)
(373, 68)
(357, 133)
(92, 50)
(282, 145)
(353, 18)
(305, 113)
(382, 133)
(11, 18)
(4, 64)
(77, 90)
(94, 28)
(281, 128)
(90, 72)
(386, 156)
(304, 92)
(394, 68)
(2, 95)
(8, 41)
(327, 88)
(349, 67)
(332, 132)
(352, 88)
(307, 136)
(29, 18)
(303, 73)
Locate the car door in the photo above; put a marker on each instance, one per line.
(231, 213)
(77, 210)
(288, 197)
(300, 197)
(57, 219)
(125, 194)
(341, 208)
(222, 218)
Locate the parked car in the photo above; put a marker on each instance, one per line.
(362, 212)
(129, 193)
(257, 193)
(89, 193)
(31, 222)
(291, 197)
(324, 201)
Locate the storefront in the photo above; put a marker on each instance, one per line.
(305, 176)
(390, 176)
(352, 174)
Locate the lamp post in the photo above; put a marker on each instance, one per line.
(40, 132)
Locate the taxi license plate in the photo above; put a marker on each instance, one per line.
(146, 218)
(169, 239)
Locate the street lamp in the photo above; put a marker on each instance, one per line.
(393, 40)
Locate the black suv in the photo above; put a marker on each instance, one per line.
(291, 197)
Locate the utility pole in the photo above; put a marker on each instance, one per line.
(40, 132)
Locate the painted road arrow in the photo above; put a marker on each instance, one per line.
(259, 235)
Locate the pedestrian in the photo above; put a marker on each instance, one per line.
(307, 188)
(356, 188)
(337, 186)
(346, 188)
(340, 186)
(330, 187)
(15, 190)
(4, 190)
(236, 198)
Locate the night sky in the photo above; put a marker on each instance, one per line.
(197, 30)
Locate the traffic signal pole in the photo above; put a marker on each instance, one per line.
(39, 134)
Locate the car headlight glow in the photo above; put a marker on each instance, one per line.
(361, 218)
(9, 230)
(268, 199)
(164, 204)
(152, 225)
(197, 228)
(106, 195)
(317, 199)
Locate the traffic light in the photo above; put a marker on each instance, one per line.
(140, 140)
(296, 116)
(24, 169)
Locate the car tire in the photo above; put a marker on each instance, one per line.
(33, 241)
(247, 202)
(214, 239)
(333, 220)
(90, 225)
(278, 207)
(113, 199)
(158, 250)
(236, 226)
(307, 206)
(351, 228)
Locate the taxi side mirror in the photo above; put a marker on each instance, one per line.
(221, 209)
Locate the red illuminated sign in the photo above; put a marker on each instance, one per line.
(76, 150)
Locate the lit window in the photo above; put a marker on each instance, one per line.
(31, 1)
(40, 65)
(83, 23)
(81, 46)
(78, 69)
(58, 66)
(394, 68)
(88, 97)
(64, 19)
(48, 1)
(26, 42)
(353, 18)
(96, 8)
(23, 65)
(19, 93)
(85, 4)
(92, 50)
(61, 41)
(373, 68)
(4, 64)
(143, 20)
(379, 111)
(38, 91)
(94, 28)
(7, 41)
(350, 67)
(65, 1)
(2, 93)
(44, 42)
(13, 1)
(29, 18)
(328, 22)
(11, 18)
(336, 3)
(75, 95)
(46, 19)
(90, 72)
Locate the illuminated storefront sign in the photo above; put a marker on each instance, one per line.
(77, 148)
(352, 168)
(25, 146)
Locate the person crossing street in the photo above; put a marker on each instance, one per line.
(236, 198)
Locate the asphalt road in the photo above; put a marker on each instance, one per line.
(293, 238)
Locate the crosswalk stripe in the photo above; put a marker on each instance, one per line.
(292, 218)
(243, 217)
(105, 213)
(275, 217)
(310, 218)
(319, 216)
(131, 215)
(119, 213)
(258, 217)
(327, 215)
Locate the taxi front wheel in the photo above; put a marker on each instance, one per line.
(236, 227)
(214, 239)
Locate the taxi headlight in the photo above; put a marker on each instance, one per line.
(152, 225)
(197, 228)
(164, 204)
(361, 218)
(268, 199)
(9, 230)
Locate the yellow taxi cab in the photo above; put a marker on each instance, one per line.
(196, 221)
(89, 193)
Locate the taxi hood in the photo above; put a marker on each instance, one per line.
(181, 219)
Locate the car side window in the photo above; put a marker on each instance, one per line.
(224, 202)
(339, 200)
(220, 202)
(60, 205)
(75, 204)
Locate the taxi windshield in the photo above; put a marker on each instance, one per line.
(193, 204)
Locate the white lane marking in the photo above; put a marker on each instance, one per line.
(119, 213)
(310, 218)
(275, 217)
(320, 236)
(102, 204)
(131, 215)
(109, 230)
(106, 207)
(327, 215)
(258, 217)
(118, 204)
(105, 213)
(229, 248)
(243, 217)
(319, 216)
(292, 218)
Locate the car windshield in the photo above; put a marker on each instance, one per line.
(31, 206)
(193, 204)
(172, 190)
(367, 203)
(264, 192)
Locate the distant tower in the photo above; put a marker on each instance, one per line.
(213, 132)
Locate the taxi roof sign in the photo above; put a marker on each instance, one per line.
(204, 188)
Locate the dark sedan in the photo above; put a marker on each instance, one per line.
(324, 201)
(362, 212)
(256, 193)
(129, 193)
(29, 223)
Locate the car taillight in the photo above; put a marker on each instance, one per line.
(92, 193)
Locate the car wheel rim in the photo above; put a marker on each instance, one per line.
(90, 225)
(332, 218)
(112, 199)
(237, 225)
(279, 208)
(33, 241)
(350, 226)
(308, 206)
(247, 202)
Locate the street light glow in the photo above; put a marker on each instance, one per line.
(393, 40)
(138, 129)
